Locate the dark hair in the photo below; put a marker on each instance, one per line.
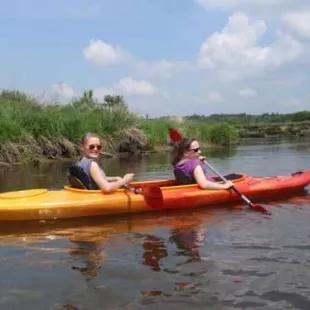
(179, 148)
(89, 135)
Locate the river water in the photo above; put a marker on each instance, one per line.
(225, 258)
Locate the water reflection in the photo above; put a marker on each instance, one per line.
(89, 244)
(87, 257)
(88, 253)
(188, 241)
(154, 250)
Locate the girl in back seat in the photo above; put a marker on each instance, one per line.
(187, 166)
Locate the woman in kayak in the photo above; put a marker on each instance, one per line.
(187, 165)
(91, 147)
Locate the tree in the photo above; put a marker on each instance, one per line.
(115, 102)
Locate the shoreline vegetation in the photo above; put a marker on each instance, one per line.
(34, 132)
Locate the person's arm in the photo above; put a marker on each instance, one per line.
(206, 184)
(113, 179)
(103, 183)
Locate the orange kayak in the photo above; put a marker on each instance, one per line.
(43, 204)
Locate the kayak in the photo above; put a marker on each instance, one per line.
(69, 202)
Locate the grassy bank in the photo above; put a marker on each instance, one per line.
(213, 134)
(32, 130)
(259, 126)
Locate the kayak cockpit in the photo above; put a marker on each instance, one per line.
(76, 185)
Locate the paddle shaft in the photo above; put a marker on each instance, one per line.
(233, 187)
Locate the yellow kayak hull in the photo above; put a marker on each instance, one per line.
(44, 204)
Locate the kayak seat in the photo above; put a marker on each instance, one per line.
(183, 179)
(78, 178)
(75, 182)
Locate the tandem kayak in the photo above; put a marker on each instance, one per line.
(69, 202)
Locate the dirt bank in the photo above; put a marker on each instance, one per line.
(129, 141)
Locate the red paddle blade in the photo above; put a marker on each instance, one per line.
(175, 135)
(153, 196)
(260, 208)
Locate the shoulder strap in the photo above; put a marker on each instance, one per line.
(79, 173)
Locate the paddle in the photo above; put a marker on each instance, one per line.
(153, 195)
(176, 136)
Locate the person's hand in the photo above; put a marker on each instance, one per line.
(228, 184)
(128, 177)
(202, 158)
(117, 179)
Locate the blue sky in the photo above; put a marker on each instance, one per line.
(166, 57)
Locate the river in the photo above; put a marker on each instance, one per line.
(225, 258)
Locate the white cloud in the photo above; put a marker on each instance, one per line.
(131, 86)
(236, 47)
(248, 51)
(102, 53)
(101, 92)
(235, 44)
(246, 92)
(298, 22)
(59, 92)
(128, 86)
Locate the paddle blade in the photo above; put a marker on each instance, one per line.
(260, 208)
(153, 196)
(175, 135)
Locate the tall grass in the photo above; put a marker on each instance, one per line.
(221, 134)
(21, 116)
(156, 130)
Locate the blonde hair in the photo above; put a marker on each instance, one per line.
(89, 135)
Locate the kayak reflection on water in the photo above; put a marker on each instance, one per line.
(88, 256)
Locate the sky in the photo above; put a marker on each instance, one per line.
(166, 57)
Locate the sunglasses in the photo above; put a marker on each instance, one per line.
(95, 146)
(195, 150)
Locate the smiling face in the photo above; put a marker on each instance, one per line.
(91, 147)
(193, 151)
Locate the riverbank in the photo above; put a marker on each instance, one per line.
(34, 131)
(264, 125)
